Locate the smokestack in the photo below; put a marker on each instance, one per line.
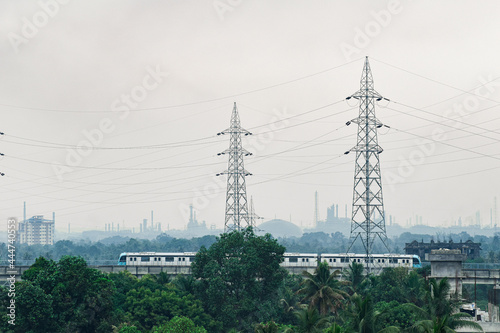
(69, 228)
(337, 211)
(316, 215)
(191, 213)
(24, 211)
(152, 224)
(495, 212)
(54, 217)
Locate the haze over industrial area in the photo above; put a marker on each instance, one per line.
(111, 114)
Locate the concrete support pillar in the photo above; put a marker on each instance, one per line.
(447, 263)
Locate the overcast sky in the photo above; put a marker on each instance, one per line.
(149, 84)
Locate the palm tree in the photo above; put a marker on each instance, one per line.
(310, 321)
(365, 316)
(414, 288)
(185, 284)
(162, 278)
(354, 274)
(437, 314)
(322, 289)
(334, 329)
(446, 324)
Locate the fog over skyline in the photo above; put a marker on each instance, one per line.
(111, 109)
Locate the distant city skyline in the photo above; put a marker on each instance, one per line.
(108, 117)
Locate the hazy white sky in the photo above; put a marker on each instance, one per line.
(149, 84)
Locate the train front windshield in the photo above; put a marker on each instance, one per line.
(416, 262)
(122, 260)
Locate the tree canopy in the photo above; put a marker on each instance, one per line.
(239, 275)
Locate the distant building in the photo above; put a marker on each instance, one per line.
(469, 248)
(279, 228)
(194, 227)
(36, 230)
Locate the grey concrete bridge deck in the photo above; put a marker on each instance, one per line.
(466, 276)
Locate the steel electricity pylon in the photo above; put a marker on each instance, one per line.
(368, 217)
(253, 215)
(237, 215)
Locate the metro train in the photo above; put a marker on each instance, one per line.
(292, 261)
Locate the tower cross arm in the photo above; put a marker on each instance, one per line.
(240, 151)
(237, 130)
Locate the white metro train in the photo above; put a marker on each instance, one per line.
(156, 258)
(295, 262)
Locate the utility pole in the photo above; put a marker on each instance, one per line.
(237, 216)
(368, 216)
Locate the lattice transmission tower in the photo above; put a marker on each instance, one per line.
(237, 214)
(368, 217)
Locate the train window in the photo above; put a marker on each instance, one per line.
(330, 260)
(307, 259)
(135, 259)
(343, 259)
(378, 260)
(383, 260)
(145, 258)
(293, 260)
(191, 258)
(183, 259)
(334, 260)
(155, 258)
(123, 259)
(169, 259)
(131, 259)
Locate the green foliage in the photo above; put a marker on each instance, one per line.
(323, 289)
(146, 308)
(334, 329)
(64, 296)
(34, 310)
(310, 321)
(179, 325)
(366, 318)
(129, 329)
(394, 314)
(437, 314)
(355, 275)
(269, 327)
(239, 277)
(288, 299)
(185, 284)
(389, 285)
